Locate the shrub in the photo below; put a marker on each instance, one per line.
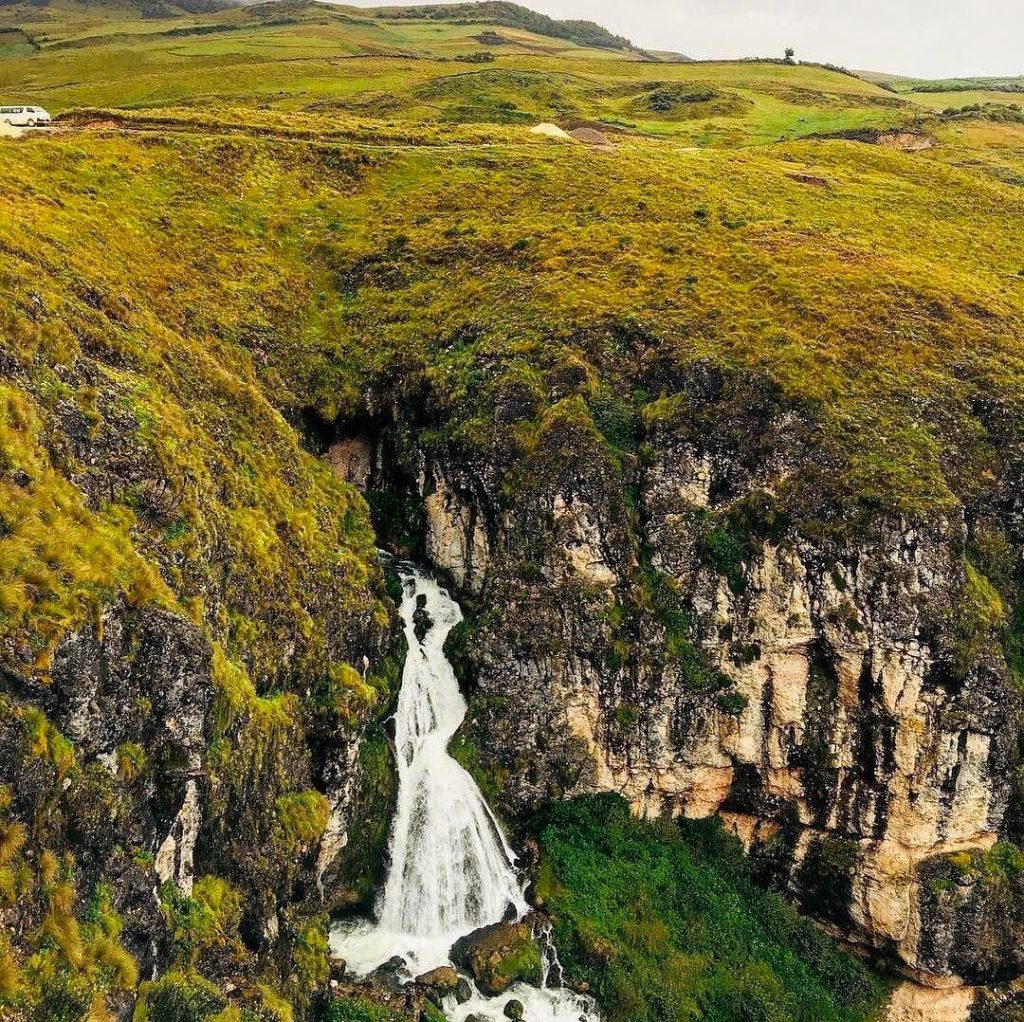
(353, 1009)
(303, 816)
(979, 619)
(179, 997)
(664, 922)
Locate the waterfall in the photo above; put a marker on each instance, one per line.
(451, 870)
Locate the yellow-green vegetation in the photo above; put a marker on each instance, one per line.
(143, 467)
(944, 92)
(354, 1009)
(420, 69)
(858, 295)
(225, 482)
(254, 219)
(302, 816)
(924, 247)
(62, 957)
(205, 929)
(980, 617)
(206, 919)
(60, 563)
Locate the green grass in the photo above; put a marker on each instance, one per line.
(664, 923)
(306, 56)
(353, 1009)
(920, 86)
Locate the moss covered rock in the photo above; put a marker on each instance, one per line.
(498, 956)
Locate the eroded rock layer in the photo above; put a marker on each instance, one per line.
(678, 623)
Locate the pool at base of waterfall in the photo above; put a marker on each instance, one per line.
(546, 1005)
(451, 870)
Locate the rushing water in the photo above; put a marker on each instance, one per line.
(452, 870)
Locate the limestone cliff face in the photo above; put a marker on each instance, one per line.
(859, 735)
(658, 627)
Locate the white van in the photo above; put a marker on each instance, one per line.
(23, 116)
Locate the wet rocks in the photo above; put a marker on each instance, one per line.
(970, 915)
(441, 983)
(443, 979)
(498, 956)
(422, 621)
(387, 977)
(514, 1010)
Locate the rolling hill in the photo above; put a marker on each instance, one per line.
(423, 31)
(509, 15)
(399, 64)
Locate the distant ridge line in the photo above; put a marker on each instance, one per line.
(511, 15)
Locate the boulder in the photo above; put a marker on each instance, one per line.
(498, 956)
(387, 976)
(514, 1010)
(444, 979)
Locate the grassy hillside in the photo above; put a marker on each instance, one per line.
(292, 207)
(302, 56)
(881, 287)
(509, 15)
(324, 27)
(922, 86)
(940, 94)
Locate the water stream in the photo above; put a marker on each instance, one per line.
(451, 870)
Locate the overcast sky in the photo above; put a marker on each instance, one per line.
(927, 38)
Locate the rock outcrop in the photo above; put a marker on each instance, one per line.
(200, 650)
(670, 625)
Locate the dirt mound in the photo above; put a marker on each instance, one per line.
(809, 179)
(907, 140)
(910, 141)
(591, 137)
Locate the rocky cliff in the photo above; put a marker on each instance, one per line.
(690, 618)
(195, 647)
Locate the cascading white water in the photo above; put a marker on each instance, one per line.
(451, 868)
(450, 865)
